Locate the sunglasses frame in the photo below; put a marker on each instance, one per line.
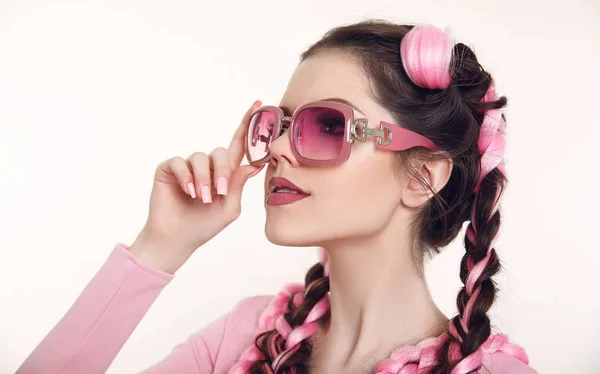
(355, 129)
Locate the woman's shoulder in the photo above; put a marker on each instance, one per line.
(225, 339)
(502, 363)
(243, 320)
(248, 310)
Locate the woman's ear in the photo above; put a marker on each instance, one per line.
(436, 173)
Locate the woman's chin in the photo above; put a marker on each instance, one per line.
(287, 236)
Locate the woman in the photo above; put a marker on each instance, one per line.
(386, 140)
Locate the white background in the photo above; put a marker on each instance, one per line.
(93, 95)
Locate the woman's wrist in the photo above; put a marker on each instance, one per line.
(158, 256)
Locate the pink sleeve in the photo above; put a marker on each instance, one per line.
(502, 363)
(95, 328)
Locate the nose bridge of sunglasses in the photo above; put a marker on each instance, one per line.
(285, 124)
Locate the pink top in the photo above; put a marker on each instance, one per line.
(95, 328)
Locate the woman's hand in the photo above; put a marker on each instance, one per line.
(192, 200)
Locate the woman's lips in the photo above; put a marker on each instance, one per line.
(282, 191)
(276, 183)
(283, 198)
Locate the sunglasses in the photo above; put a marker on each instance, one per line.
(321, 133)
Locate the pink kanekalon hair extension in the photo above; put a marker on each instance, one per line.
(273, 318)
(491, 141)
(418, 359)
(426, 54)
(491, 145)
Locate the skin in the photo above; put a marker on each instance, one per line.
(360, 213)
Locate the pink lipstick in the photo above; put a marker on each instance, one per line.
(282, 192)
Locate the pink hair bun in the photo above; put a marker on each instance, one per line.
(426, 53)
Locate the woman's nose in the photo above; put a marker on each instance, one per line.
(281, 150)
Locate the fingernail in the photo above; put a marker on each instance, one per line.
(205, 192)
(256, 171)
(222, 186)
(192, 190)
(257, 102)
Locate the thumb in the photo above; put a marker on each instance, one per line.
(239, 177)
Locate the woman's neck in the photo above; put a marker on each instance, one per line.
(379, 302)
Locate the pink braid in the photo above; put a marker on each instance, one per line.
(266, 321)
(491, 141)
(426, 54)
(491, 144)
(423, 356)
(272, 318)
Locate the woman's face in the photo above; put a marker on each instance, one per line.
(354, 199)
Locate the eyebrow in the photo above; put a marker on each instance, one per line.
(344, 101)
(338, 99)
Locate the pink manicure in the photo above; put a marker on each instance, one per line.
(222, 186)
(205, 192)
(192, 190)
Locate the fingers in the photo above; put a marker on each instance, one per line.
(239, 177)
(196, 174)
(219, 163)
(210, 170)
(199, 163)
(178, 168)
(237, 147)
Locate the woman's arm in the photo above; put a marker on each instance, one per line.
(95, 328)
(502, 363)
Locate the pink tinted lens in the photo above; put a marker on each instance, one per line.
(260, 134)
(319, 133)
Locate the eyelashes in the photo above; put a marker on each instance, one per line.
(331, 124)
